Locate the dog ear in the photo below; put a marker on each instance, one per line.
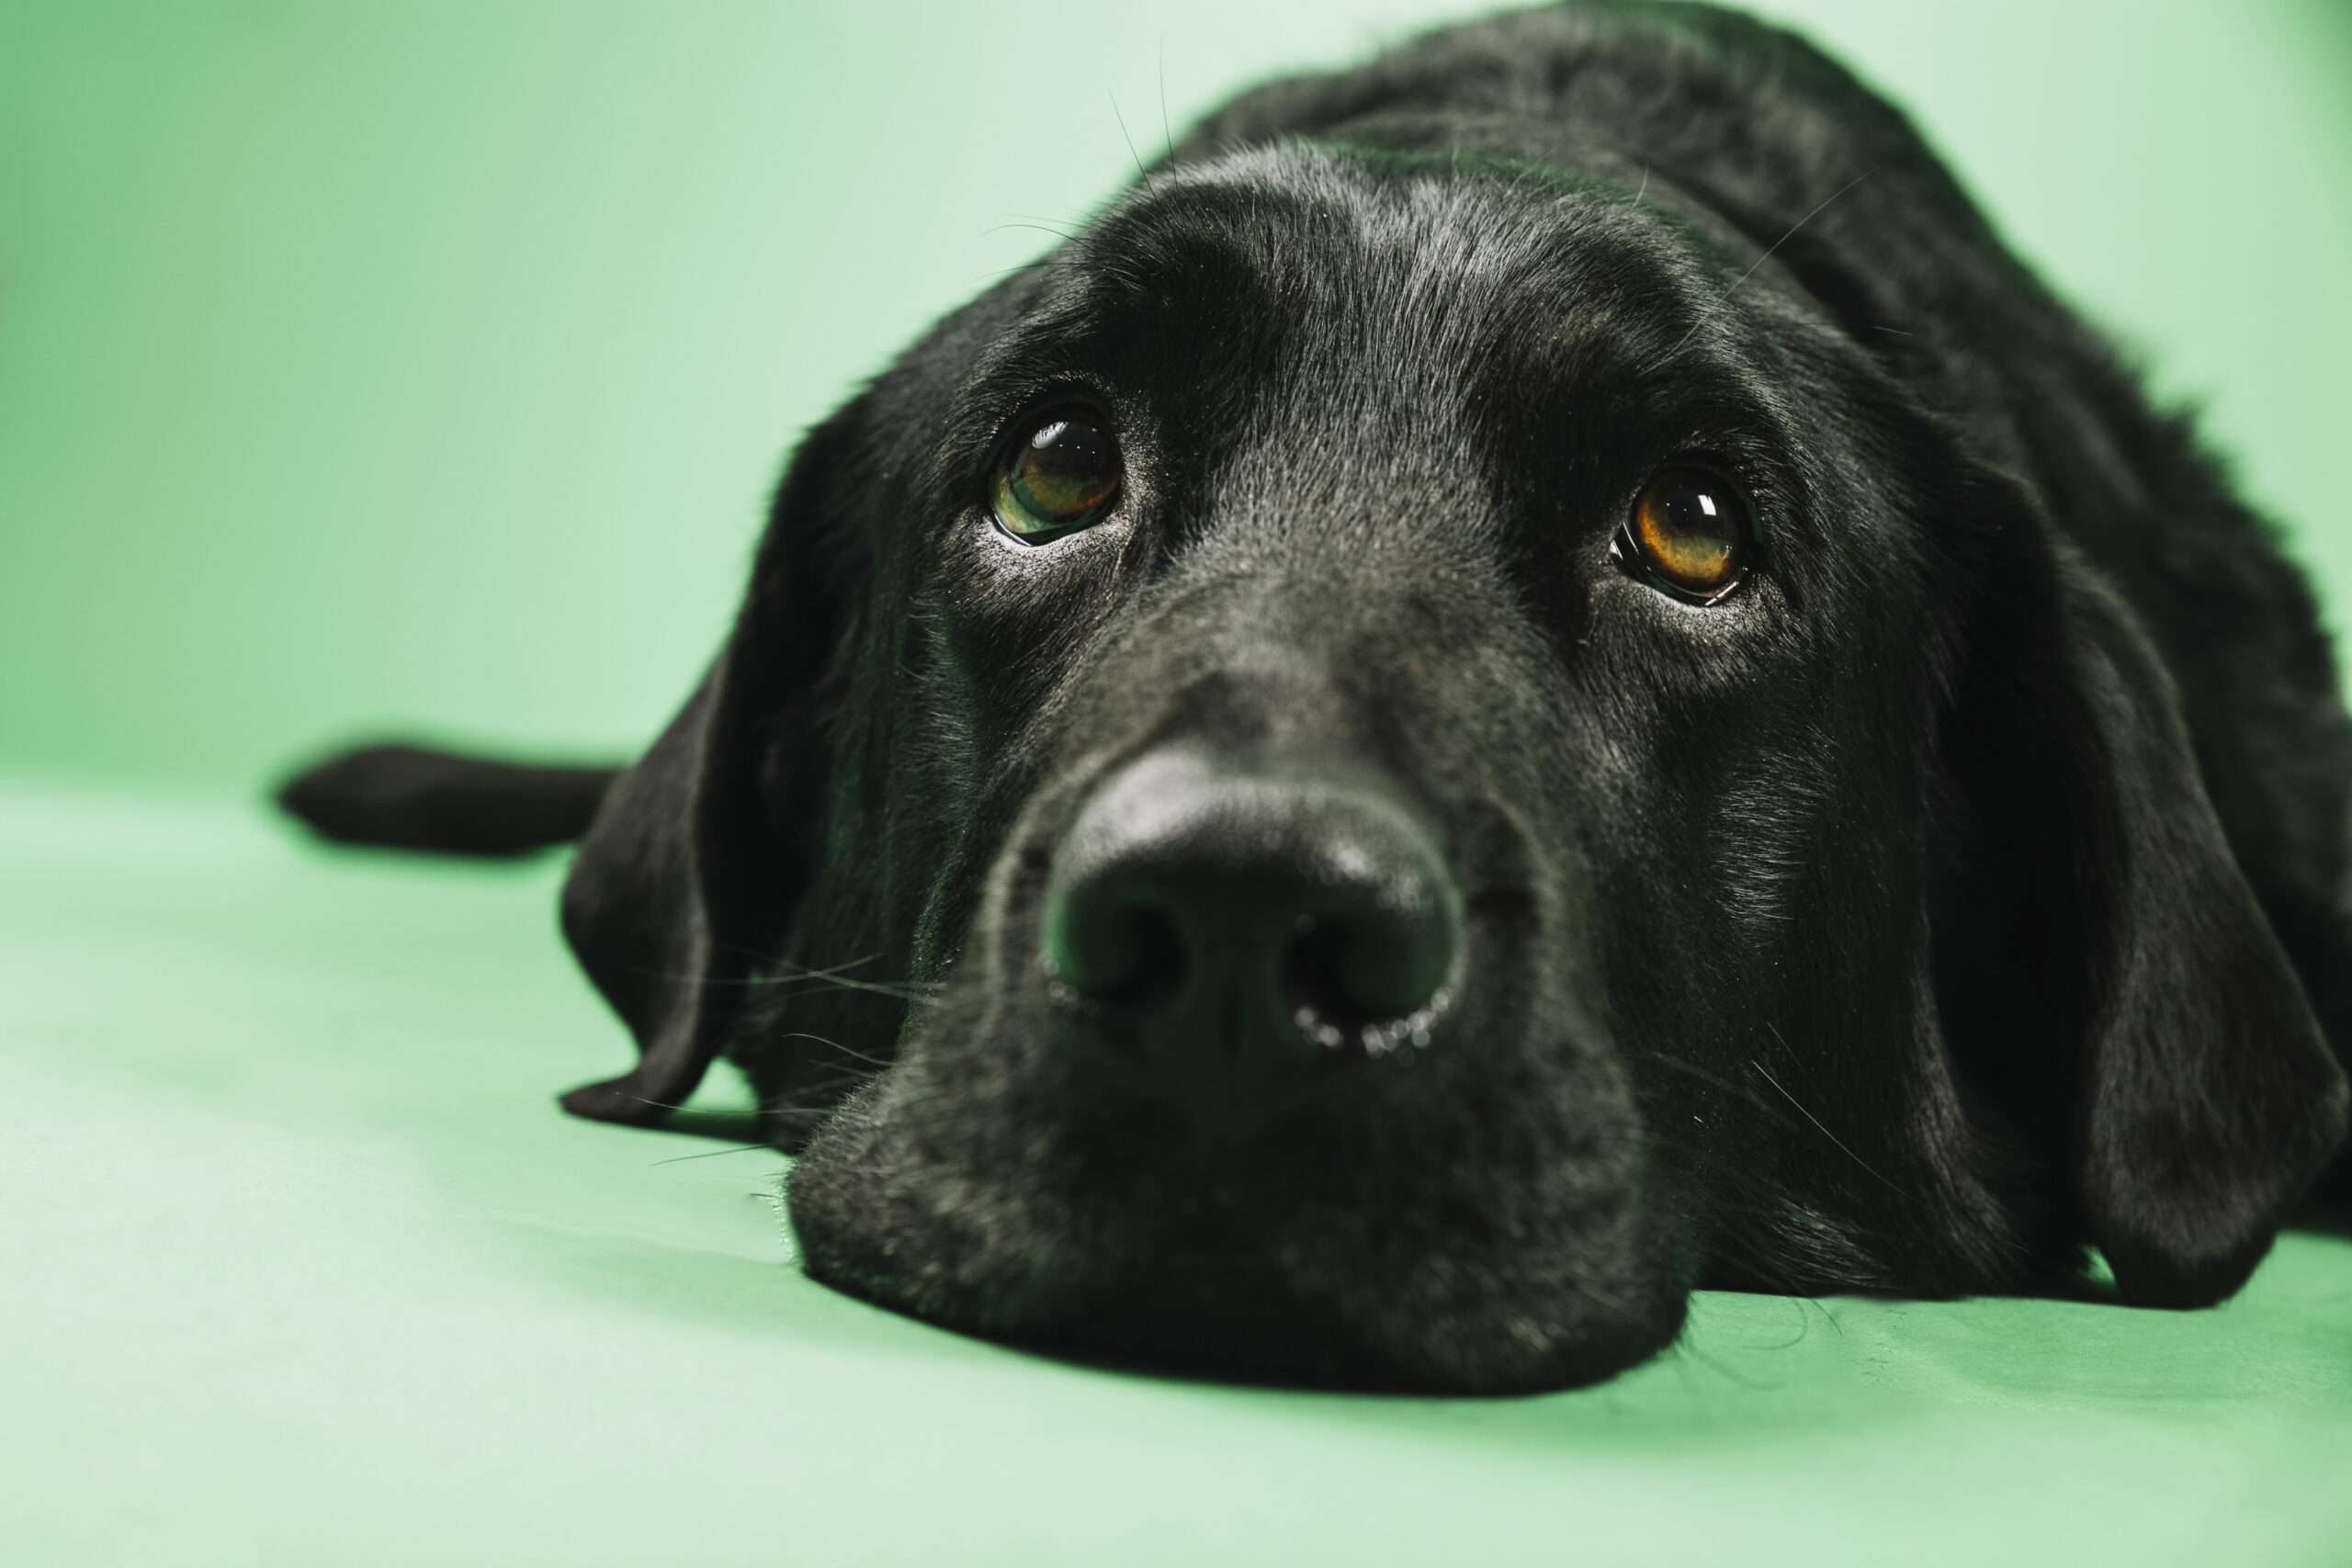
(2115, 980)
(703, 851)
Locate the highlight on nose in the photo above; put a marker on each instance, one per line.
(1209, 926)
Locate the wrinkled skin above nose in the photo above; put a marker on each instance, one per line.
(1223, 937)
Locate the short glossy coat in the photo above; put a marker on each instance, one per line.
(1959, 892)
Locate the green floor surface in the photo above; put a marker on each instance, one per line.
(303, 1267)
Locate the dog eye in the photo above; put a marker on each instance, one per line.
(1061, 476)
(1688, 534)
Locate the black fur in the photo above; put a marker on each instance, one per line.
(1956, 894)
(420, 799)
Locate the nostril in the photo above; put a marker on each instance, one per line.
(1322, 973)
(1374, 982)
(1154, 970)
(1124, 955)
(1369, 962)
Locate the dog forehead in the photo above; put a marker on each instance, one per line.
(1369, 254)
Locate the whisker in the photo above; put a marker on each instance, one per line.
(1709, 314)
(1166, 137)
(1825, 1132)
(1729, 1085)
(1141, 173)
(718, 1154)
(1062, 234)
(1800, 223)
(844, 1050)
(1683, 1347)
(786, 972)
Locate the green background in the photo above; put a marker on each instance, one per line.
(427, 362)
(424, 364)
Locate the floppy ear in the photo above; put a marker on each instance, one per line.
(703, 851)
(2209, 1095)
(2152, 1034)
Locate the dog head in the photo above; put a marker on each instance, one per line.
(1393, 758)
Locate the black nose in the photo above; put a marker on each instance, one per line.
(1214, 930)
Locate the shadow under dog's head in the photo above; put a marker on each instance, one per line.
(1395, 757)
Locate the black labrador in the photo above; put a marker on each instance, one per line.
(1531, 676)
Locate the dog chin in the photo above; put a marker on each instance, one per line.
(1518, 1242)
(1212, 1300)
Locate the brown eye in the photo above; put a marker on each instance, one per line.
(1062, 474)
(1690, 533)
